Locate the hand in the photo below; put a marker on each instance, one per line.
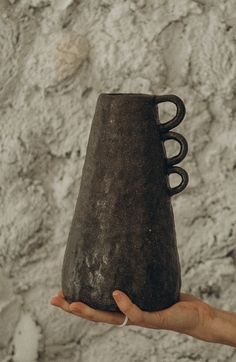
(190, 315)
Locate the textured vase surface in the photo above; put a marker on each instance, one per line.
(122, 234)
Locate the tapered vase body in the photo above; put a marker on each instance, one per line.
(122, 234)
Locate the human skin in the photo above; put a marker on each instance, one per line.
(190, 316)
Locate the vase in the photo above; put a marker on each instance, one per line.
(122, 234)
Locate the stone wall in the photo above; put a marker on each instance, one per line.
(56, 56)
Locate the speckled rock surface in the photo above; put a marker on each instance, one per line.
(56, 57)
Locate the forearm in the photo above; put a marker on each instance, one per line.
(223, 327)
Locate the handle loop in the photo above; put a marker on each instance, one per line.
(183, 147)
(166, 135)
(184, 176)
(180, 111)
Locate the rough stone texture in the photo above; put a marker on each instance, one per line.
(56, 57)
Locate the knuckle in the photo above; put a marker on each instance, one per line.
(90, 315)
(86, 313)
(160, 319)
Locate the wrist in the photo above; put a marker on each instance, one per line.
(223, 327)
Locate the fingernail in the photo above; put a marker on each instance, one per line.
(117, 294)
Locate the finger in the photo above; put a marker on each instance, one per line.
(84, 311)
(134, 313)
(60, 302)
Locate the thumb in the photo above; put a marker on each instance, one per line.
(126, 306)
(136, 315)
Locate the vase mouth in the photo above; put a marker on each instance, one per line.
(127, 94)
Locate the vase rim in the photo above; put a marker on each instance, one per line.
(127, 94)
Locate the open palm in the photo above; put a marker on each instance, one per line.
(190, 315)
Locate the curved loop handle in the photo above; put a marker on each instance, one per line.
(184, 176)
(180, 113)
(183, 147)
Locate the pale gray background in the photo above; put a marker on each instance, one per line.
(55, 59)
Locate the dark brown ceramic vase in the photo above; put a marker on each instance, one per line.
(123, 234)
